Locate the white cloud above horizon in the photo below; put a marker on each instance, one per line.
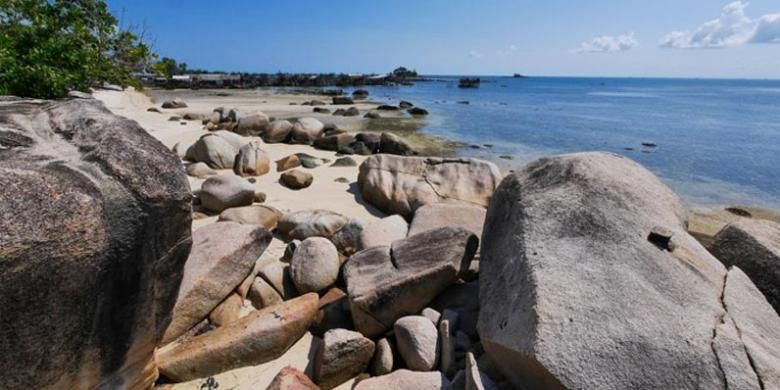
(608, 44)
(732, 28)
(475, 54)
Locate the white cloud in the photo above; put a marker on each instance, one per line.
(475, 54)
(608, 44)
(511, 49)
(732, 28)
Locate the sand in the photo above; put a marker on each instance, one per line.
(324, 193)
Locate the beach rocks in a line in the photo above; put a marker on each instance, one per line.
(388, 282)
(393, 144)
(372, 115)
(384, 231)
(334, 142)
(266, 216)
(214, 150)
(296, 179)
(200, 170)
(405, 380)
(352, 111)
(417, 111)
(259, 337)
(399, 185)
(418, 342)
(153, 109)
(342, 355)
(344, 162)
(315, 265)
(290, 378)
(754, 247)
(437, 215)
(252, 125)
(96, 216)
(251, 160)
(321, 110)
(387, 107)
(568, 279)
(175, 103)
(360, 94)
(342, 100)
(277, 131)
(306, 130)
(222, 256)
(303, 224)
(288, 162)
(225, 191)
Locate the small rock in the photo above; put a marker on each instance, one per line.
(262, 294)
(290, 378)
(308, 161)
(382, 363)
(404, 104)
(224, 191)
(447, 345)
(200, 170)
(387, 107)
(406, 380)
(277, 274)
(174, 118)
(180, 148)
(432, 315)
(153, 109)
(418, 342)
(259, 197)
(310, 223)
(288, 162)
(347, 239)
(296, 179)
(344, 162)
(372, 115)
(321, 110)
(384, 231)
(277, 131)
(341, 100)
(341, 180)
(227, 311)
(175, 103)
(315, 265)
(342, 355)
(417, 111)
(505, 157)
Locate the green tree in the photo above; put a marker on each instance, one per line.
(48, 47)
(167, 67)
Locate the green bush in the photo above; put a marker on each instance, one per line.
(49, 47)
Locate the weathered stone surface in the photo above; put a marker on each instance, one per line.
(344, 162)
(347, 239)
(180, 148)
(277, 131)
(251, 160)
(705, 224)
(475, 379)
(309, 161)
(277, 274)
(334, 142)
(393, 144)
(296, 179)
(315, 265)
(213, 150)
(95, 233)
(227, 311)
(436, 215)
(400, 185)
(384, 232)
(405, 380)
(222, 255)
(259, 337)
(290, 378)
(574, 295)
(252, 125)
(252, 215)
(175, 103)
(418, 342)
(262, 294)
(333, 313)
(225, 191)
(382, 363)
(306, 130)
(288, 162)
(200, 170)
(754, 247)
(303, 224)
(342, 100)
(382, 288)
(342, 355)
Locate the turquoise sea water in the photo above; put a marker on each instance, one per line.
(718, 141)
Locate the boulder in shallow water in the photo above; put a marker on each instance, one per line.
(754, 247)
(388, 282)
(222, 256)
(259, 337)
(225, 191)
(95, 233)
(400, 185)
(574, 294)
(393, 144)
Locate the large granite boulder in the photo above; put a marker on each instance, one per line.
(303, 224)
(222, 256)
(399, 185)
(342, 355)
(95, 233)
(252, 125)
(215, 151)
(589, 279)
(306, 130)
(225, 191)
(754, 247)
(385, 283)
(251, 160)
(260, 337)
(277, 131)
(315, 265)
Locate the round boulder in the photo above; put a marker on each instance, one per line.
(418, 342)
(224, 191)
(296, 179)
(306, 130)
(314, 265)
(277, 131)
(252, 161)
(214, 150)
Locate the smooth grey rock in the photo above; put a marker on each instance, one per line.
(574, 295)
(252, 125)
(213, 150)
(432, 315)
(262, 294)
(447, 348)
(400, 185)
(277, 131)
(315, 265)
(277, 274)
(382, 363)
(405, 380)
(418, 342)
(436, 215)
(303, 224)
(384, 231)
(200, 170)
(225, 191)
(342, 355)
(296, 179)
(306, 130)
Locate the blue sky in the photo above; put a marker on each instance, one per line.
(668, 38)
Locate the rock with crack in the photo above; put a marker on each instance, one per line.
(222, 256)
(259, 337)
(754, 247)
(342, 355)
(400, 185)
(574, 295)
(95, 233)
(386, 283)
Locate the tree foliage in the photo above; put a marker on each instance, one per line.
(49, 47)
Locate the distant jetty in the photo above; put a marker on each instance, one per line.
(468, 82)
(519, 76)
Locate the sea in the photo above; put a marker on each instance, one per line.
(714, 142)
